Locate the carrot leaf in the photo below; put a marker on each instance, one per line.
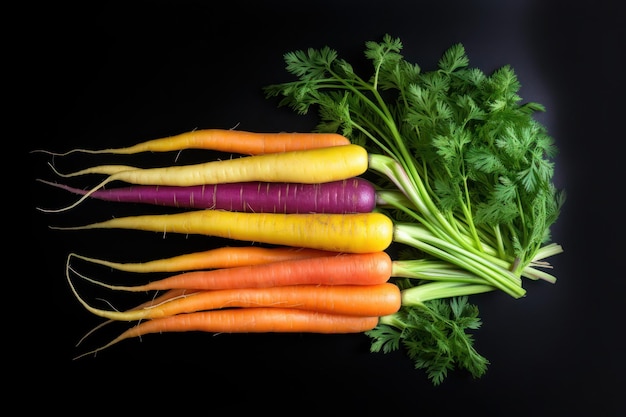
(435, 336)
(477, 164)
(474, 169)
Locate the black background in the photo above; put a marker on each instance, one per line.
(115, 74)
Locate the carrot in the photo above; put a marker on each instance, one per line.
(358, 300)
(227, 140)
(354, 233)
(353, 195)
(347, 269)
(225, 257)
(311, 166)
(250, 320)
(166, 296)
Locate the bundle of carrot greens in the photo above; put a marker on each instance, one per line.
(475, 172)
(461, 182)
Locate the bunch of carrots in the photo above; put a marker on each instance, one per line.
(462, 186)
(313, 253)
(323, 267)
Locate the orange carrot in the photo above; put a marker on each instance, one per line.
(353, 300)
(166, 296)
(345, 269)
(250, 320)
(224, 257)
(227, 140)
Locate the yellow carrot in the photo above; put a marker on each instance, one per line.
(352, 233)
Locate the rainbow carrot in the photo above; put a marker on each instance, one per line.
(358, 300)
(227, 140)
(353, 233)
(224, 257)
(346, 269)
(250, 320)
(353, 195)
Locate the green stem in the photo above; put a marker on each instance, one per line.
(417, 296)
(415, 188)
(431, 270)
(437, 290)
(467, 212)
(499, 241)
(494, 275)
(390, 168)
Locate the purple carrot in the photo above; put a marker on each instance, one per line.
(354, 195)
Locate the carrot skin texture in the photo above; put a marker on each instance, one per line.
(166, 296)
(344, 269)
(311, 166)
(231, 141)
(358, 300)
(223, 257)
(258, 320)
(352, 233)
(353, 195)
(249, 320)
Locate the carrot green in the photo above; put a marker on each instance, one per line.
(474, 166)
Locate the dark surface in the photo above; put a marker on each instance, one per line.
(115, 75)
